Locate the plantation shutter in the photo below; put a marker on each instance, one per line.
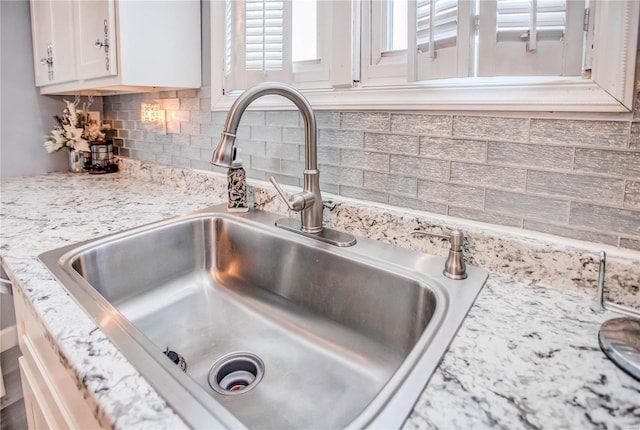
(257, 42)
(439, 39)
(531, 37)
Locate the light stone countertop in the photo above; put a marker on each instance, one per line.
(527, 356)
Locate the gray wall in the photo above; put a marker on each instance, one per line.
(574, 178)
(25, 116)
(578, 178)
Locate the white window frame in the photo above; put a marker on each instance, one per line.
(607, 89)
(325, 71)
(379, 68)
(521, 57)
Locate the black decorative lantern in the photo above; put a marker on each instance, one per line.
(102, 157)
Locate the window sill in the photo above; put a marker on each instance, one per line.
(482, 94)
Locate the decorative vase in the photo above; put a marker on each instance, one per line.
(77, 160)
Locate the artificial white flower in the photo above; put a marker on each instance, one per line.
(75, 128)
(75, 138)
(52, 146)
(58, 136)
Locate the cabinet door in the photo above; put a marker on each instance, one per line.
(53, 47)
(96, 38)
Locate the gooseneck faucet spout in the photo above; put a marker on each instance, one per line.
(309, 201)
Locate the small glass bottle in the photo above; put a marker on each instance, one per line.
(237, 187)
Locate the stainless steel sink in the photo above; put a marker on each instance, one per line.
(334, 337)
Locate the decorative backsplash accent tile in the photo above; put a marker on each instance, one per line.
(576, 178)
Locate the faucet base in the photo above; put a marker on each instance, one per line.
(328, 235)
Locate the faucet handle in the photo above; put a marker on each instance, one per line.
(295, 202)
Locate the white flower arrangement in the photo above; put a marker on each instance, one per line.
(75, 128)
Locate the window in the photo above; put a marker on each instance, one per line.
(430, 54)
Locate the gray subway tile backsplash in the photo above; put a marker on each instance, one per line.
(619, 164)
(283, 118)
(285, 151)
(482, 216)
(494, 128)
(373, 121)
(634, 138)
(614, 134)
(392, 184)
(488, 176)
(451, 194)
(622, 221)
(392, 143)
(570, 232)
(577, 187)
(364, 194)
(630, 243)
(529, 155)
(372, 161)
(567, 177)
(527, 205)
(422, 125)
(418, 204)
(340, 138)
(426, 168)
(632, 195)
(453, 149)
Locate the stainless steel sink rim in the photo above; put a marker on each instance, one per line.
(389, 408)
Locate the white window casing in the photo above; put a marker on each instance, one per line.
(615, 39)
(607, 87)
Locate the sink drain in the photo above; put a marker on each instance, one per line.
(236, 373)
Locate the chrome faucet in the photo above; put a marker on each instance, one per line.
(309, 201)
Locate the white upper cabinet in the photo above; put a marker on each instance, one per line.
(53, 50)
(116, 46)
(96, 39)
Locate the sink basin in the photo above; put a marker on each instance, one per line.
(275, 329)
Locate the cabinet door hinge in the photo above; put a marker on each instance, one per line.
(587, 16)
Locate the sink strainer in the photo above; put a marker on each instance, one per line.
(236, 373)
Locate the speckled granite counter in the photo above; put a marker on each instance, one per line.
(526, 356)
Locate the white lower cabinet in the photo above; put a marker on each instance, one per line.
(51, 394)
